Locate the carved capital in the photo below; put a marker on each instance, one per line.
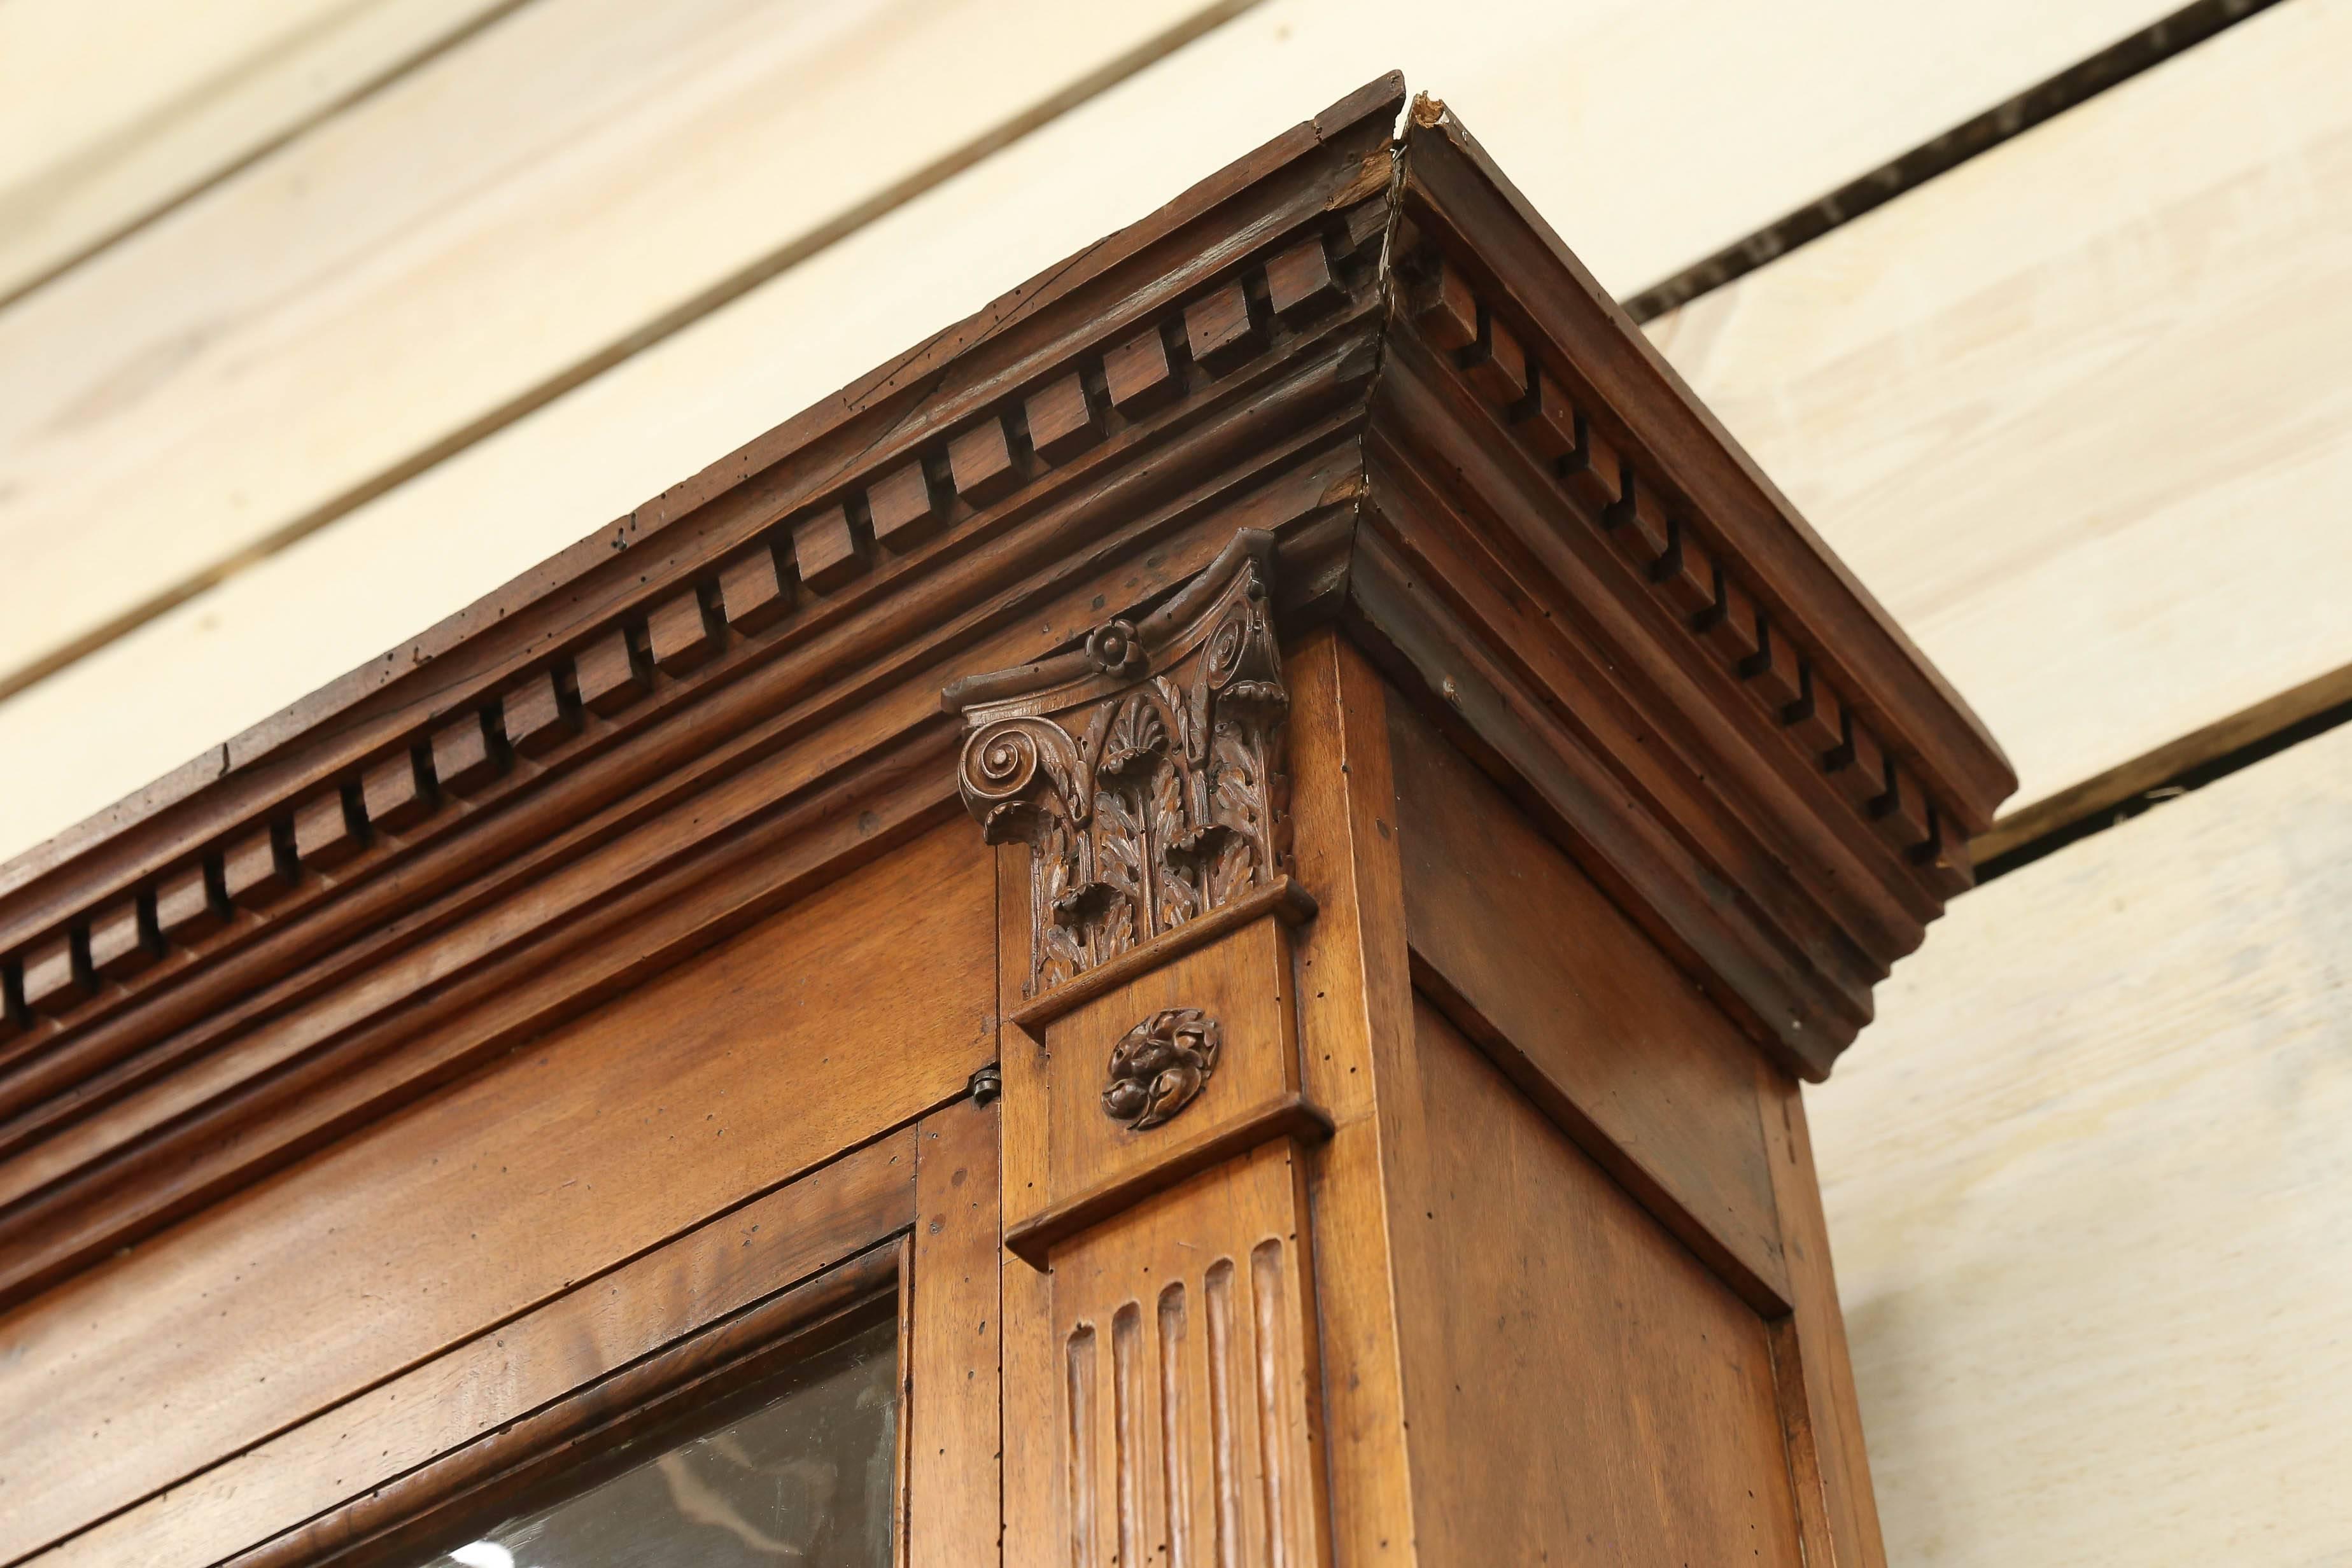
(1144, 769)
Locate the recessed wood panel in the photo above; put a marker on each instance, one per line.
(1584, 1390)
(1240, 984)
(1581, 1008)
(854, 1010)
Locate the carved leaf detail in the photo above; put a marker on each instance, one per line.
(1179, 708)
(1178, 900)
(1137, 736)
(1060, 954)
(1118, 842)
(1238, 798)
(1230, 873)
(1144, 775)
(1116, 934)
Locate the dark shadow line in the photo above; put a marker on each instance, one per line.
(2187, 780)
(669, 323)
(2117, 63)
(301, 126)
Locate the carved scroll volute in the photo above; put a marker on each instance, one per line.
(1143, 769)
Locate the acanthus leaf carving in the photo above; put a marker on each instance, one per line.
(1144, 769)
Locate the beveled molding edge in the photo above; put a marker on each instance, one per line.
(1451, 192)
(1291, 1116)
(1283, 898)
(920, 502)
(1692, 581)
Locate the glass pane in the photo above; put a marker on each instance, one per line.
(805, 1478)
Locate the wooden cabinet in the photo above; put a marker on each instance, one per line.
(1237, 858)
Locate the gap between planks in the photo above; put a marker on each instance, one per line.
(2077, 84)
(668, 323)
(299, 125)
(2177, 769)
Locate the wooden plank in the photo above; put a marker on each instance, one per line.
(477, 231)
(1547, 1409)
(954, 1441)
(561, 1161)
(111, 110)
(1561, 93)
(2077, 412)
(1584, 1012)
(506, 1372)
(1355, 1008)
(1811, 1353)
(2092, 1196)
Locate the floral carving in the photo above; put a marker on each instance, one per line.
(1160, 1067)
(1143, 769)
(1114, 649)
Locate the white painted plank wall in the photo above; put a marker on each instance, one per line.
(110, 110)
(1596, 107)
(514, 208)
(2090, 1194)
(2078, 412)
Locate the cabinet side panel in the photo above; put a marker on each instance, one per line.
(1582, 1388)
(1595, 1024)
(850, 1012)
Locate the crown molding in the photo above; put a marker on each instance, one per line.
(731, 695)
(1579, 576)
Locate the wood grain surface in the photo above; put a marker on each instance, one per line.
(953, 1422)
(1828, 1462)
(1594, 106)
(692, 1093)
(1548, 1413)
(508, 1372)
(1592, 1021)
(1355, 1009)
(2076, 410)
(2090, 1189)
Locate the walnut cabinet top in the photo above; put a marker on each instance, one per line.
(1358, 341)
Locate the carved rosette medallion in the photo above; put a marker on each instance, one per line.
(1144, 769)
(1160, 1067)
